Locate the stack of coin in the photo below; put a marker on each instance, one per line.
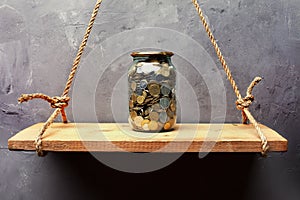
(152, 99)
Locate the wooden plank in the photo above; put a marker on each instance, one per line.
(111, 137)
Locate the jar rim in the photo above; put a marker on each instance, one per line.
(151, 53)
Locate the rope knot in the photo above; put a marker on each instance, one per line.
(245, 102)
(59, 102)
(55, 102)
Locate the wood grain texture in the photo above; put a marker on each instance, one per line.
(111, 137)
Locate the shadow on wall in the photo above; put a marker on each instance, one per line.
(221, 175)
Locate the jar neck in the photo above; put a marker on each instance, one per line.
(155, 58)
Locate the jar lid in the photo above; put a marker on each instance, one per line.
(151, 53)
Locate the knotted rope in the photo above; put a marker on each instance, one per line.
(60, 102)
(55, 102)
(245, 102)
(241, 103)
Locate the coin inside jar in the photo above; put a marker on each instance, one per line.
(165, 71)
(133, 97)
(163, 117)
(154, 89)
(145, 121)
(131, 104)
(165, 90)
(159, 77)
(138, 121)
(144, 94)
(133, 114)
(139, 91)
(132, 70)
(145, 127)
(164, 102)
(173, 106)
(167, 126)
(140, 99)
(154, 116)
(152, 100)
(143, 84)
(153, 125)
(170, 113)
(133, 85)
(156, 107)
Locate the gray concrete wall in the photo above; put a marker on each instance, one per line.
(39, 39)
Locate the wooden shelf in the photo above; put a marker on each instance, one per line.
(111, 137)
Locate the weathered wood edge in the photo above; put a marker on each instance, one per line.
(154, 146)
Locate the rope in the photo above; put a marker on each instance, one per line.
(264, 141)
(60, 102)
(55, 102)
(247, 100)
(242, 103)
(81, 48)
(38, 140)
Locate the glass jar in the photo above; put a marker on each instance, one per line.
(152, 99)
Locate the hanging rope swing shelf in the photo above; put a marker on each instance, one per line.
(110, 137)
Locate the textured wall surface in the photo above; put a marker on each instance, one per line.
(39, 39)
